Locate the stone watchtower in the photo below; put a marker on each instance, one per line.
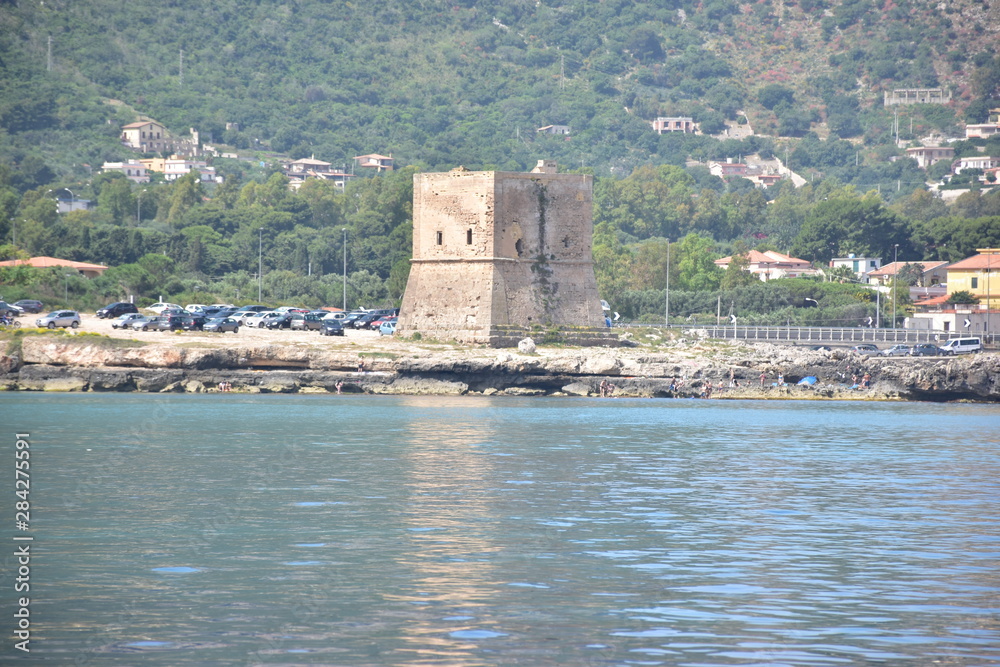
(497, 253)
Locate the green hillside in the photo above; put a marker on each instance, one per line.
(440, 84)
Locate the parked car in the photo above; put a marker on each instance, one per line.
(195, 307)
(281, 321)
(331, 328)
(29, 305)
(170, 323)
(388, 327)
(158, 308)
(59, 318)
(193, 322)
(896, 351)
(309, 321)
(962, 346)
(222, 324)
(257, 320)
(865, 348)
(124, 321)
(377, 323)
(365, 321)
(115, 309)
(151, 322)
(10, 310)
(242, 315)
(925, 350)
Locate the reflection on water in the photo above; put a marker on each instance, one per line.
(450, 556)
(352, 530)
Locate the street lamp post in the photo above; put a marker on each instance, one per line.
(345, 270)
(895, 281)
(66, 288)
(260, 263)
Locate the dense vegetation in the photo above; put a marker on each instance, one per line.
(439, 84)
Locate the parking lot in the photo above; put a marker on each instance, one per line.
(246, 336)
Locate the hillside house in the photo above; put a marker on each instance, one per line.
(928, 155)
(728, 168)
(861, 266)
(375, 161)
(983, 162)
(174, 168)
(772, 264)
(932, 273)
(146, 136)
(905, 96)
(554, 129)
(300, 170)
(982, 130)
(985, 130)
(134, 170)
(683, 124)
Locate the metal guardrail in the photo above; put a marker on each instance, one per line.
(819, 335)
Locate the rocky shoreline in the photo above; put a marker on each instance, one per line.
(69, 363)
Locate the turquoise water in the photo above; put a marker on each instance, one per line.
(359, 530)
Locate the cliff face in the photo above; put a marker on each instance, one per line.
(67, 365)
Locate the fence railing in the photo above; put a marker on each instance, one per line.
(820, 335)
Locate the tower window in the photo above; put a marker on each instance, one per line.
(468, 237)
(440, 238)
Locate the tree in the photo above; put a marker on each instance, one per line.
(963, 297)
(738, 273)
(117, 201)
(846, 224)
(187, 193)
(696, 268)
(910, 274)
(774, 94)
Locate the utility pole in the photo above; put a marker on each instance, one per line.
(345, 270)
(666, 308)
(260, 263)
(182, 68)
(48, 60)
(895, 279)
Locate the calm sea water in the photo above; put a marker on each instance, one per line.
(346, 530)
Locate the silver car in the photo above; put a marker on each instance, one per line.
(896, 351)
(59, 318)
(146, 323)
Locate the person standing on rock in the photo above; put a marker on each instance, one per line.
(763, 376)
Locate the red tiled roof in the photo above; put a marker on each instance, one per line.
(891, 268)
(980, 261)
(46, 262)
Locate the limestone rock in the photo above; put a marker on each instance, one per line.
(577, 389)
(526, 346)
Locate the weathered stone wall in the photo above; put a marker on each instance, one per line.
(498, 248)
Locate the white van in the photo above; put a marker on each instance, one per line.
(962, 346)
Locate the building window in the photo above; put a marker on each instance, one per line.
(468, 237)
(975, 283)
(440, 238)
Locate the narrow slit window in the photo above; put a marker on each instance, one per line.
(440, 238)
(468, 237)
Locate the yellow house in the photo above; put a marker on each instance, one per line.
(156, 164)
(978, 275)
